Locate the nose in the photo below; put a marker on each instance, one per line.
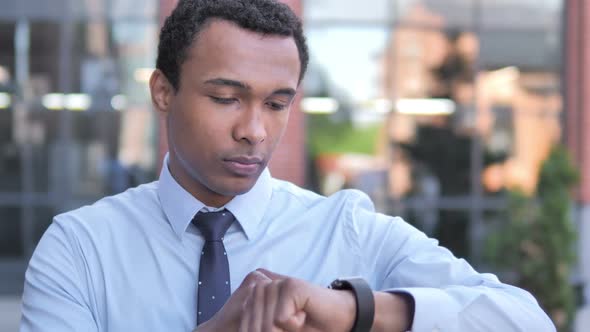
(250, 127)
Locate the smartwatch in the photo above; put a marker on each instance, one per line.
(365, 302)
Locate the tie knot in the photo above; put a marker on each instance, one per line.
(213, 225)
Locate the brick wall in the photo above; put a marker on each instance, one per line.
(289, 160)
(577, 81)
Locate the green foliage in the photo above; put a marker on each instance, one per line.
(536, 240)
(328, 136)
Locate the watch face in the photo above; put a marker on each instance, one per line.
(336, 284)
(346, 283)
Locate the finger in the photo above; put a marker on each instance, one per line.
(244, 322)
(256, 306)
(270, 303)
(271, 275)
(289, 314)
(249, 281)
(254, 277)
(245, 316)
(294, 323)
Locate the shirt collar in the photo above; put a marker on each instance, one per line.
(180, 206)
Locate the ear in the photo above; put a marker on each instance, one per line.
(161, 91)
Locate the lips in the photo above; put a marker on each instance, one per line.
(243, 165)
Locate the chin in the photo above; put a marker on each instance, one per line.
(235, 186)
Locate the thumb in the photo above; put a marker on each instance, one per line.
(293, 323)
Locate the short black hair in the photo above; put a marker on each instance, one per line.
(181, 28)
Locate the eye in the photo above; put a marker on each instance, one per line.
(276, 106)
(224, 101)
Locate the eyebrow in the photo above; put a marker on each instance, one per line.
(289, 92)
(285, 91)
(228, 82)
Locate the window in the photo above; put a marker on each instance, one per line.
(434, 108)
(76, 122)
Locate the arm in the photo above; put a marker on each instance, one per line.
(413, 272)
(54, 298)
(448, 294)
(282, 303)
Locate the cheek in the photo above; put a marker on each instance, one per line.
(276, 123)
(199, 122)
(277, 126)
(283, 121)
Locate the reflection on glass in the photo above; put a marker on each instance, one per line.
(502, 14)
(44, 58)
(408, 103)
(508, 13)
(452, 232)
(113, 147)
(146, 9)
(75, 116)
(523, 122)
(347, 10)
(436, 13)
(109, 58)
(88, 8)
(347, 108)
(423, 113)
(11, 245)
(430, 73)
(42, 218)
(10, 163)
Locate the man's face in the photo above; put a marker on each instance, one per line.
(231, 109)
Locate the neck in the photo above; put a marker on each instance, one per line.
(193, 186)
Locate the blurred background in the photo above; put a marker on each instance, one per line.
(466, 117)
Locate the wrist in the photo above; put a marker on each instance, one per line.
(347, 311)
(393, 312)
(203, 328)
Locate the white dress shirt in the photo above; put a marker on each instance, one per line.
(130, 262)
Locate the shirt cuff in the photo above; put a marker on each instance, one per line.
(434, 309)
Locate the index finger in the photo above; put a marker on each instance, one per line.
(271, 275)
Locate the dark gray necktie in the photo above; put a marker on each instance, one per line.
(214, 284)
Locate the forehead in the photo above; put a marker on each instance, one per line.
(223, 49)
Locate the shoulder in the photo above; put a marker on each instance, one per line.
(294, 194)
(347, 199)
(120, 210)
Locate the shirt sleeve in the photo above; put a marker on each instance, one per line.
(449, 295)
(54, 296)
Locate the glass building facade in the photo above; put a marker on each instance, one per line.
(434, 107)
(76, 121)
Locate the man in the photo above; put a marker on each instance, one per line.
(217, 244)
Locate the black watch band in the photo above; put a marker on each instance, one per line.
(365, 302)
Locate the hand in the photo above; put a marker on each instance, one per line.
(228, 318)
(266, 301)
(281, 303)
